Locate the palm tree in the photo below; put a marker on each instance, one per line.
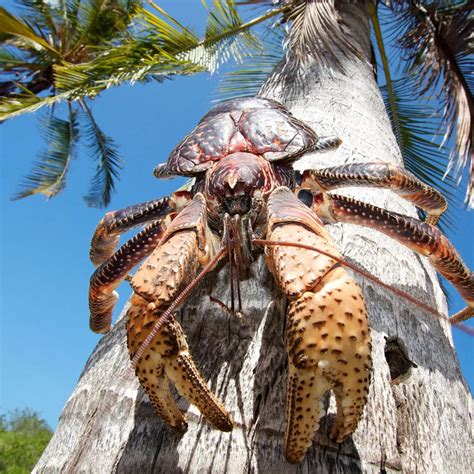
(326, 78)
(50, 34)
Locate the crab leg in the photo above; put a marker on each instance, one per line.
(327, 338)
(114, 223)
(418, 236)
(110, 274)
(186, 246)
(378, 175)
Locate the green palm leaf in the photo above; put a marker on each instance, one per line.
(415, 124)
(109, 162)
(247, 79)
(10, 26)
(48, 176)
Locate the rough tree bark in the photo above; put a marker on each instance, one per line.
(420, 425)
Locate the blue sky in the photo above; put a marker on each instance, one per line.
(45, 340)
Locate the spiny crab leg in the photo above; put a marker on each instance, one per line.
(110, 274)
(420, 237)
(378, 175)
(107, 234)
(156, 341)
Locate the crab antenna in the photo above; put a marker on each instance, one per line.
(228, 242)
(237, 256)
(369, 276)
(231, 273)
(168, 314)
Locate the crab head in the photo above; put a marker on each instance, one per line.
(240, 184)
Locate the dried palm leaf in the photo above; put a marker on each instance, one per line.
(437, 43)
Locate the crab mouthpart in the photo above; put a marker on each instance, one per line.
(237, 238)
(237, 204)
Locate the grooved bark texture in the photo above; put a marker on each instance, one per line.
(421, 425)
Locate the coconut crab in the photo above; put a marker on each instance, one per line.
(246, 195)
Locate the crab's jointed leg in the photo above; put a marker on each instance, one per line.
(326, 144)
(378, 175)
(107, 234)
(114, 267)
(418, 236)
(186, 246)
(110, 274)
(328, 338)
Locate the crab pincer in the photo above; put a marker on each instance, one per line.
(158, 281)
(327, 333)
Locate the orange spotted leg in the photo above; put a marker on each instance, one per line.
(378, 175)
(327, 333)
(418, 236)
(186, 246)
(110, 274)
(107, 234)
(114, 267)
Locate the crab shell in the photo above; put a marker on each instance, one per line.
(259, 126)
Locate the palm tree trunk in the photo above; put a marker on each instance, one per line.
(420, 425)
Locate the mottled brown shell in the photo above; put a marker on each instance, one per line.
(253, 125)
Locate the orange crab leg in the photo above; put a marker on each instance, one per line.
(110, 274)
(328, 338)
(378, 175)
(418, 236)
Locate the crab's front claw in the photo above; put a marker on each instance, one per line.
(328, 345)
(327, 333)
(157, 284)
(168, 358)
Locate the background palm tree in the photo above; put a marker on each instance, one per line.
(70, 51)
(333, 89)
(51, 34)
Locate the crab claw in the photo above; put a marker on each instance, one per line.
(327, 333)
(168, 359)
(157, 283)
(328, 344)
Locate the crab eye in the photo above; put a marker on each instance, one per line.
(305, 197)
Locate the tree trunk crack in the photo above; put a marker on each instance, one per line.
(84, 438)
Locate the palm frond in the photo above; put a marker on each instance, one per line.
(316, 33)
(415, 123)
(437, 44)
(247, 79)
(48, 176)
(14, 105)
(166, 48)
(10, 26)
(109, 162)
(102, 21)
(225, 31)
(42, 15)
